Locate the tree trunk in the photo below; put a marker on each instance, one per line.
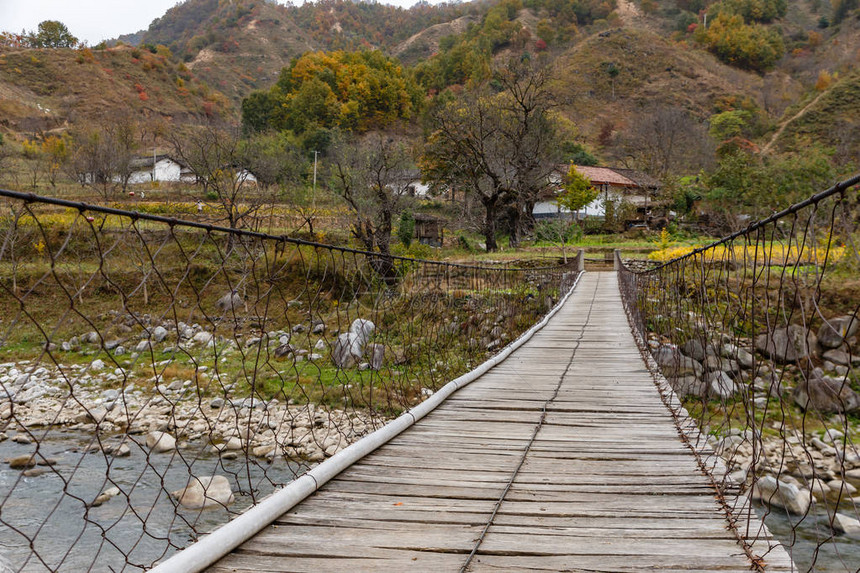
(489, 229)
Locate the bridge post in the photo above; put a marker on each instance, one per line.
(617, 260)
(581, 260)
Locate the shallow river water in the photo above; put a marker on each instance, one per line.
(144, 526)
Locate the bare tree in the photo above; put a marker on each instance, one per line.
(665, 142)
(499, 146)
(214, 154)
(372, 175)
(101, 153)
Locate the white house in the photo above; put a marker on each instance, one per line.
(614, 184)
(159, 168)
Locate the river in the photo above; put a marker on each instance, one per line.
(146, 528)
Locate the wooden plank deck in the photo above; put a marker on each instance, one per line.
(562, 458)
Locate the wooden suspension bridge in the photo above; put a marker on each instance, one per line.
(564, 457)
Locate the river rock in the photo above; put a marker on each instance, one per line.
(35, 472)
(160, 442)
(346, 350)
(267, 451)
(847, 525)
(22, 462)
(229, 301)
(284, 350)
(842, 488)
(720, 385)
(825, 394)
(202, 337)
(695, 350)
(362, 329)
(159, 333)
(104, 496)
(674, 364)
(788, 344)
(835, 331)
(204, 492)
(118, 451)
(840, 357)
(788, 496)
(688, 386)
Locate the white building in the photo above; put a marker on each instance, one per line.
(159, 168)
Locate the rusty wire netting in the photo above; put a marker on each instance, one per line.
(158, 376)
(757, 334)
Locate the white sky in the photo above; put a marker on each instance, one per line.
(93, 20)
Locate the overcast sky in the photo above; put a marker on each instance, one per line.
(93, 20)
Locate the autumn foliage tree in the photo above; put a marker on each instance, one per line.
(752, 46)
(347, 90)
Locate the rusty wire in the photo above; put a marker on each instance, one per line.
(244, 356)
(757, 335)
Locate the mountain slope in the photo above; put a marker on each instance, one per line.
(612, 75)
(42, 90)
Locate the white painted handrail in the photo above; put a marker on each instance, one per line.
(210, 548)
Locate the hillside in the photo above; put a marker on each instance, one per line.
(234, 47)
(832, 118)
(611, 75)
(241, 45)
(41, 90)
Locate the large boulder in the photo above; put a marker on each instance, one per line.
(788, 344)
(349, 348)
(694, 349)
(362, 329)
(159, 333)
(229, 301)
(342, 351)
(209, 491)
(835, 331)
(376, 353)
(838, 356)
(847, 525)
(674, 364)
(826, 394)
(720, 385)
(788, 496)
(160, 442)
(740, 355)
(688, 386)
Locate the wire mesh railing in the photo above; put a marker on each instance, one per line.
(757, 335)
(159, 376)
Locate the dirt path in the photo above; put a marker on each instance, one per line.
(798, 115)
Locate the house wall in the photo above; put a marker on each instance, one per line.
(165, 170)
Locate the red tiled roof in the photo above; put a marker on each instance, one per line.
(605, 176)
